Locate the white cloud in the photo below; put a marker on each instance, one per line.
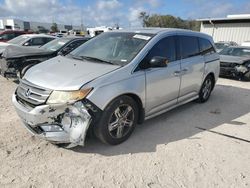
(133, 16)
(108, 5)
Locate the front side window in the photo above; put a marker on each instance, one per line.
(113, 47)
(164, 48)
(206, 47)
(189, 46)
(37, 41)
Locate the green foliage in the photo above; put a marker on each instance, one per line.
(54, 27)
(167, 21)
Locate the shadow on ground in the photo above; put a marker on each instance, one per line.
(226, 104)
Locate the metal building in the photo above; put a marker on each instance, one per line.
(232, 28)
(17, 24)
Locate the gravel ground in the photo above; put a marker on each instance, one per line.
(176, 149)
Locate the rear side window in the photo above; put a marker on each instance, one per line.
(189, 46)
(164, 48)
(206, 47)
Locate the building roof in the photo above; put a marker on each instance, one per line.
(229, 19)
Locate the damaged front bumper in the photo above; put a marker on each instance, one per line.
(237, 71)
(64, 123)
(7, 70)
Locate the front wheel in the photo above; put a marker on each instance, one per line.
(118, 121)
(206, 89)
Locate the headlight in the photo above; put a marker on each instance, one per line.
(58, 97)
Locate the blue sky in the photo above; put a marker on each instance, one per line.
(123, 12)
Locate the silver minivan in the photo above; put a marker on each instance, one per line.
(115, 81)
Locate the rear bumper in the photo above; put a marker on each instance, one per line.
(66, 123)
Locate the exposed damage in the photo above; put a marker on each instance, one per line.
(57, 123)
(15, 59)
(237, 67)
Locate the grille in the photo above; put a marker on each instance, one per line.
(226, 64)
(32, 94)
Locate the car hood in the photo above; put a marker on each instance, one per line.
(3, 44)
(64, 73)
(20, 51)
(233, 59)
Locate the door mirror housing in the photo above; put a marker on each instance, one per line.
(26, 44)
(1, 38)
(158, 61)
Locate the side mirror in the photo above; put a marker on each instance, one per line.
(26, 44)
(158, 61)
(1, 38)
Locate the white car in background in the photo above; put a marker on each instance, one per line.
(35, 40)
(246, 43)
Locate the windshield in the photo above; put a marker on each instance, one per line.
(55, 45)
(113, 47)
(19, 40)
(235, 51)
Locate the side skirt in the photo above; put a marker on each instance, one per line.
(172, 107)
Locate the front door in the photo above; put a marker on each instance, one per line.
(162, 84)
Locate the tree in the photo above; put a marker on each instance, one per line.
(169, 21)
(54, 27)
(144, 17)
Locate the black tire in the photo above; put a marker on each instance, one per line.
(113, 122)
(206, 89)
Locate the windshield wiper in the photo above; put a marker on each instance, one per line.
(74, 57)
(97, 59)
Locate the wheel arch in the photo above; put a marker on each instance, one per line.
(138, 101)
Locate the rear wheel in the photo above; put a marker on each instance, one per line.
(206, 89)
(118, 121)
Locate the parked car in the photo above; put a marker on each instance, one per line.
(235, 62)
(246, 43)
(224, 44)
(16, 60)
(114, 81)
(35, 40)
(7, 35)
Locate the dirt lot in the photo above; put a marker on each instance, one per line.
(167, 151)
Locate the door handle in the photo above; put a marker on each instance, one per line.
(177, 73)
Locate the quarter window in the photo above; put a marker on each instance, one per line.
(189, 46)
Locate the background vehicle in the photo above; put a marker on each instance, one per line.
(235, 62)
(224, 44)
(114, 81)
(10, 34)
(35, 40)
(246, 43)
(18, 59)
